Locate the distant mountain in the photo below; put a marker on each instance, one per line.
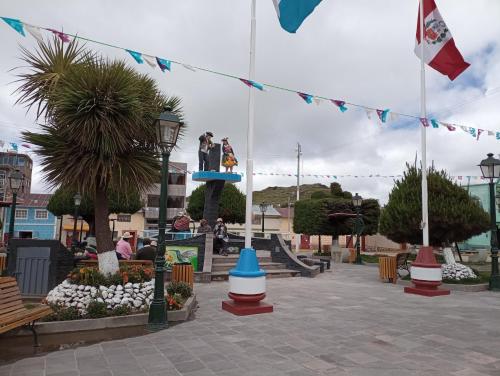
(280, 195)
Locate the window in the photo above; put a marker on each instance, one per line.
(177, 179)
(124, 218)
(175, 202)
(153, 201)
(20, 161)
(256, 219)
(41, 214)
(21, 213)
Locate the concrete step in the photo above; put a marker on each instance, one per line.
(264, 265)
(232, 259)
(277, 273)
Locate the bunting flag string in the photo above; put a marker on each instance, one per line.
(383, 116)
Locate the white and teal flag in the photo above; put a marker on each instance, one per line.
(292, 13)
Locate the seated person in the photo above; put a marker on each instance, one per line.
(148, 252)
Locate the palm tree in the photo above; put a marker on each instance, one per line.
(99, 128)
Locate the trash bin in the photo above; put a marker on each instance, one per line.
(183, 272)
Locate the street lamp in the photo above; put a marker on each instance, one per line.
(16, 180)
(357, 201)
(490, 168)
(168, 126)
(263, 208)
(77, 199)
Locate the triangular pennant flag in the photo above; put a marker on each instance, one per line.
(17, 25)
(450, 127)
(435, 123)
(369, 113)
(61, 35)
(479, 131)
(465, 129)
(150, 60)
(382, 115)
(340, 105)
(498, 136)
(35, 32)
(137, 56)
(317, 101)
(472, 131)
(189, 67)
(491, 133)
(14, 146)
(306, 97)
(165, 64)
(424, 121)
(254, 84)
(26, 146)
(393, 116)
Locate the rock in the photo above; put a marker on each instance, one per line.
(109, 301)
(128, 285)
(112, 287)
(100, 300)
(87, 288)
(126, 295)
(141, 295)
(136, 291)
(119, 288)
(116, 300)
(105, 294)
(103, 288)
(137, 303)
(136, 285)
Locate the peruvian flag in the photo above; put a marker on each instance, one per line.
(440, 51)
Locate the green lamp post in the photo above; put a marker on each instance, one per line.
(168, 126)
(490, 168)
(77, 199)
(263, 208)
(357, 201)
(16, 180)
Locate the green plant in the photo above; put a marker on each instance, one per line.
(96, 310)
(99, 124)
(181, 288)
(454, 216)
(231, 205)
(61, 313)
(370, 258)
(174, 302)
(120, 310)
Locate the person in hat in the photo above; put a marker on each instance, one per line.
(181, 222)
(123, 248)
(221, 237)
(204, 227)
(205, 145)
(228, 158)
(148, 252)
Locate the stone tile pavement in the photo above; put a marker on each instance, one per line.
(343, 322)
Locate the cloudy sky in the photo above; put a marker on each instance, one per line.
(356, 50)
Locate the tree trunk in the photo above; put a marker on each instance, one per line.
(102, 232)
(319, 244)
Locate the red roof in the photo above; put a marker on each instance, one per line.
(36, 200)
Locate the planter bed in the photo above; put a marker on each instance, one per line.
(453, 286)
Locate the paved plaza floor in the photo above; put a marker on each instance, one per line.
(343, 322)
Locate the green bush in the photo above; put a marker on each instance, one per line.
(96, 310)
(120, 311)
(181, 288)
(61, 313)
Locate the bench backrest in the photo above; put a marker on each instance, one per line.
(10, 297)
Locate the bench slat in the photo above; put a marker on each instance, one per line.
(25, 320)
(9, 292)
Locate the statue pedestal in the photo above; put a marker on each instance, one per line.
(247, 286)
(426, 275)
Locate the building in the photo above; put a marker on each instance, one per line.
(272, 222)
(481, 192)
(8, 163)
(32, 219)
(176, 196)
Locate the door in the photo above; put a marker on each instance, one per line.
(32, 270)
(305, 241)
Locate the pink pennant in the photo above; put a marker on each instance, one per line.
(450, 127)
(424, 121)
(26, 146)
(479, 131)
(61, 35)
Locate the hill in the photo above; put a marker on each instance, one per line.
(280, 195)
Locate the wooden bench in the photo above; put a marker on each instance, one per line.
(13, 314)
(3, 262)
(94, 263)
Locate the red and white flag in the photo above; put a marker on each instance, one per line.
(440, 51)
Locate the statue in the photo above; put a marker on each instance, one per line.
(228, 158)
(205, 145)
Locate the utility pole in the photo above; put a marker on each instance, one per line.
(299, 153)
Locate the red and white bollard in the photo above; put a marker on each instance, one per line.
(426, 275)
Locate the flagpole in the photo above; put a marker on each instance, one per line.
(251, 120)
(423, 114)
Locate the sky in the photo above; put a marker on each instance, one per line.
(357, 50)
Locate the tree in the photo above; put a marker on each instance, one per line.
(453, 215)
(231, 204)
(334, 215)
(99, 131)
(62, 203)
